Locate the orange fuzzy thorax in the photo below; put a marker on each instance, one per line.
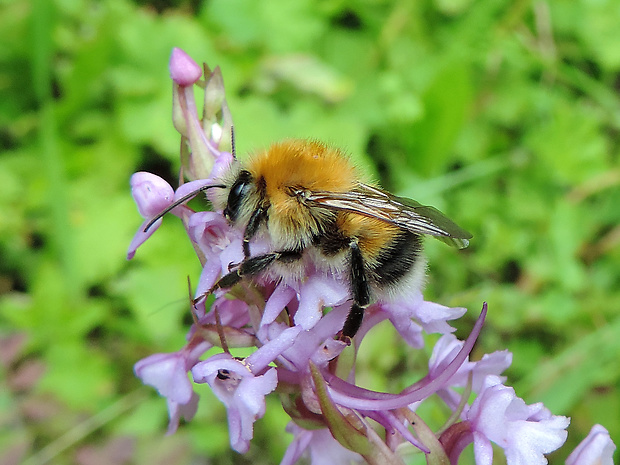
(305, 164)
(302, 165)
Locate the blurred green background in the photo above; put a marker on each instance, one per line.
(504, 114)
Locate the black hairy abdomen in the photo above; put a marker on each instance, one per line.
(331, 241)
(395, 260)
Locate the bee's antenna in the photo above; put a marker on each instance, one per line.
(183, 199)
(232, 142)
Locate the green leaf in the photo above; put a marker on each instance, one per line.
(79, 376)
(445, 105)
(564, 379)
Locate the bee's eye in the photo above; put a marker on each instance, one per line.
(238, 192)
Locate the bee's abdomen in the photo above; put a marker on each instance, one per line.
(392, 256)
(331, 241)
(395, 260)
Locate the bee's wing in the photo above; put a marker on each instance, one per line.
(404, 213)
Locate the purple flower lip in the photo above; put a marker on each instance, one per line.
(151, 193)
(596, 449)
(240, 389)
(525, 432)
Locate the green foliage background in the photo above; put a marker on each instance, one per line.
(504, 114)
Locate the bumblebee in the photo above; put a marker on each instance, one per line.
(308, 200)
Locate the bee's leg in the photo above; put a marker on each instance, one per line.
(251, 267)
(360, 290)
